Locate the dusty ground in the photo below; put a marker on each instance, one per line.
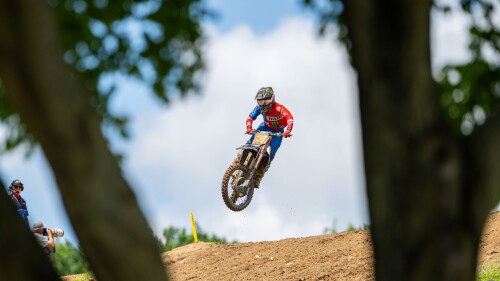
(341, 256)
(489, 249)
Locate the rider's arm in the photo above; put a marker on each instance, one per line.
(252, 116)
(289, 118)
(249, 122)
(255, 113)
(289, 122)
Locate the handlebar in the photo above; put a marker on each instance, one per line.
(254, 131)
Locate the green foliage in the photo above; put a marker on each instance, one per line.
(69, 260)
(489, 272)
(328, 230)
(155, 42)
(176, 237)
(84, 277)
(331, 19)
(469, 92)
(351, 227)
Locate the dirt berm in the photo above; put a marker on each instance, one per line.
(341, 256)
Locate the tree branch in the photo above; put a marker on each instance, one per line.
(55, 107)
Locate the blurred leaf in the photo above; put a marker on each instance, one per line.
(470, 92)
(103, 38)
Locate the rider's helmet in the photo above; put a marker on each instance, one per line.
(16, 183)
(265, 98)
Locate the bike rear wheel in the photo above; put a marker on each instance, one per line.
(237, 189)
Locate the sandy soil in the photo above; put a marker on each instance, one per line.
(341, 256)
(489, 249)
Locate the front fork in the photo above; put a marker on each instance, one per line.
(255, 163)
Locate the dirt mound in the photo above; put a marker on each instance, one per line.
(341, 256)
(489, 249)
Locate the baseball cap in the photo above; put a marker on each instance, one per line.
(38, 224)
(16, 183)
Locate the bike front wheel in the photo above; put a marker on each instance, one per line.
(237, 189)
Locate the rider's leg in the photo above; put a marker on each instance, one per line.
(259, 175)
(275, 145)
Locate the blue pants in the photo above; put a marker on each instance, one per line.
(275, 143)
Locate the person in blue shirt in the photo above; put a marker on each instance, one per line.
(15, 188)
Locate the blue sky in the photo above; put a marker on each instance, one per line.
(263, 16)
(178, 153)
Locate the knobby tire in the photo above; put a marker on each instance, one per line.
(225, 188)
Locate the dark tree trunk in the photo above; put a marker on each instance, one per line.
(21, 257)
(101, 206)
(429, 188)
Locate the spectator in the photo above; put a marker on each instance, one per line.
(45, 240)
(15, 189)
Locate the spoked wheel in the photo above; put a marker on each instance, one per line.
(237, 189)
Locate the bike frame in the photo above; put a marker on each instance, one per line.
(260, 150)
(237, 183)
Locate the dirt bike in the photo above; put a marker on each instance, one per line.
(237, 183)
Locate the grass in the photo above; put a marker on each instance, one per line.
(489, 272)
(84, 277)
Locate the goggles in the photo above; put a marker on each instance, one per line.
(264, 102)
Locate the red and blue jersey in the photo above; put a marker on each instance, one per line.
(277, 118)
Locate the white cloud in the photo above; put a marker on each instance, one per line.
(178, 154)
(449, 34)
(448, 38)
(317, 174)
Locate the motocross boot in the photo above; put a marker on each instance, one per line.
(259, 174)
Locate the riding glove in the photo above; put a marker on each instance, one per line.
(287, 133)
(249, 125)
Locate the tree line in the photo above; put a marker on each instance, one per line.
(70, 259)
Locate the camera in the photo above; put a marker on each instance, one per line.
(56, 232)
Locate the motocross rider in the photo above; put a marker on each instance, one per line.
(277, 118)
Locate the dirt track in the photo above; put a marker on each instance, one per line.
(341, 256)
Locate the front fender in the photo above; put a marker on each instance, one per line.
(249, 147)
(247, 152)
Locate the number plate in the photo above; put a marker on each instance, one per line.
(259, 139)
